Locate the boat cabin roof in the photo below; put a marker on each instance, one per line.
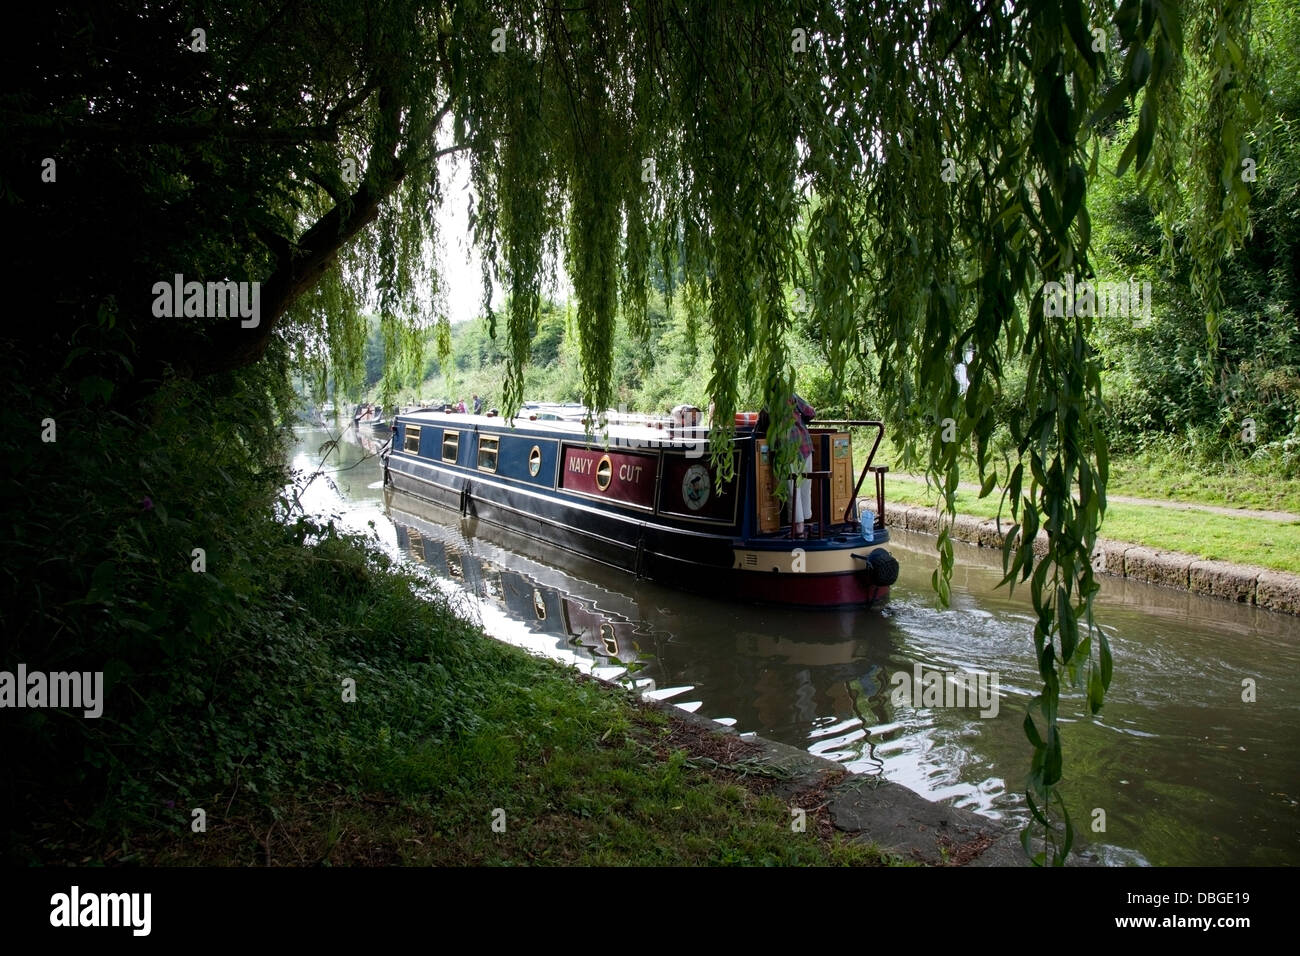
(641, 430)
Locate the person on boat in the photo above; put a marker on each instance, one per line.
(460, 406)
(802, 504)
(478, 405)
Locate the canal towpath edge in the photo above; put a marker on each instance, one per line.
(865, 807)
(1239, 583)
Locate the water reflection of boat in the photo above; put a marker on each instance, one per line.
(611, 637)
(764, 669)
(543, 608)
(650, 501)
(425, 550)
(370, 442)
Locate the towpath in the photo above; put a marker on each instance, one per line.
(1285, 517)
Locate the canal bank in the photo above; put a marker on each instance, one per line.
(1187, 773)
(1238, 583)
(865, 808)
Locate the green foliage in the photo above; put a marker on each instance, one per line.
(757, 122)
(101, 540)
(1165, 384)
(1216, 537)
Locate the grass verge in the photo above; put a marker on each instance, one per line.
(1269, 544)
(1157, 472)
(450, 732)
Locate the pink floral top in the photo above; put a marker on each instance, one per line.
(803, 414)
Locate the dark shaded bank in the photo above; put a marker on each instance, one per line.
(363, 722)
(368, 724)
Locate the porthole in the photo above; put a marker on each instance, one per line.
(604, 473)
(535, 461)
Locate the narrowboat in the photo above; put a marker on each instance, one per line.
(370, 416)
(642, 497)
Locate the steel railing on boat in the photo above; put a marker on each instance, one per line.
(824, 477)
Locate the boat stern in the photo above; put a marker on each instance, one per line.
(841, 571)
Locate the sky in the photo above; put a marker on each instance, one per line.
(462, 276)
(461, 263)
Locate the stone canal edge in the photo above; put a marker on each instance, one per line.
(865, 808)
(1240, 583)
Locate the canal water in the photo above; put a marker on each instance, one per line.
(1180, 768)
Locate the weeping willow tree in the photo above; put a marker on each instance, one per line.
(917, 172)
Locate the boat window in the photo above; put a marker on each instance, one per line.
(487, 452)
(411, 439)
(450, 445)
(535, 461)
(604, 473)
